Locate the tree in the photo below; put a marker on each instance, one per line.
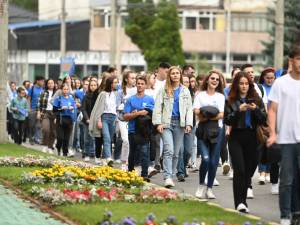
(155, 30)
(291, 29)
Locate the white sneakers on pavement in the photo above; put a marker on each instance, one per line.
(210, 194)
(242, 208)
(262, 180)
(285, 222)
(250, 194)
(200, 192)
(275, 189)
(169, 183)
(98, 161)
(86, 159)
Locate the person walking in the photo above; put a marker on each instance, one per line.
(209, 107)
(64, 106)
(244, 112)
(172, 116)
(20, 109)
(138, 110)
(46, 116)
(284, 123)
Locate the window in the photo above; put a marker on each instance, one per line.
(240, 57)
(124, 20)
(188, 55)
(204, 23)
(205, 56)
(92, 69)
(250, 22)
(54, 71)
(190, 23)
(99, 18)
(79, 70)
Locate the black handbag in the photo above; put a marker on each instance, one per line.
(274, 153)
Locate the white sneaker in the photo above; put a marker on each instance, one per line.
(216, 182)
(200, 191)
(152, 171)
(262, 180)
(118, 161)
(50, 151)
(242, 208)
(268, 178)
(226, 168)
(210, 194)
(45, 149)
(250, 194)
(71, 153)
(109, 161)
(231, 174)
(285, 221)
(274, 189)
(86, 159)
(169, 183)
(97, 160)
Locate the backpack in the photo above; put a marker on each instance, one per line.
(261, 90)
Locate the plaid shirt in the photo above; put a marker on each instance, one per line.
(43, 101)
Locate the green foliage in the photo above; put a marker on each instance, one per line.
(155, 30)
(291, 29)
(31, 5)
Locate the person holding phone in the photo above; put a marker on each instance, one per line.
(244, 111)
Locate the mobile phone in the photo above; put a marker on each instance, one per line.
(250, 100)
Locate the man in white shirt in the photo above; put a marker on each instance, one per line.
(284, 122)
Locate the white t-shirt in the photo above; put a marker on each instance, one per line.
(217, 100)
(286, 93)
(150, 92)
(159, 85)
(265, 97)
(129, 92)
(49, 104)
(110, 103)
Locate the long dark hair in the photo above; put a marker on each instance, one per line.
(108, 83)
(125, 80)
(219, 88)
(234, 92)
(46, 85)
(264, 73)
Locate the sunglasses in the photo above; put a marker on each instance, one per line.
(214, 78)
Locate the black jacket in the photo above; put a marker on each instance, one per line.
(87, 105)
(233, 117)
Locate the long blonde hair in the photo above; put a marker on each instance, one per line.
(169, 83)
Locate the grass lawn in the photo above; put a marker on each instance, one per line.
(92, 213)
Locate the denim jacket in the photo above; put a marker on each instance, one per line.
(163, 107)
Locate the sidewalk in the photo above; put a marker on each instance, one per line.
(15, 211)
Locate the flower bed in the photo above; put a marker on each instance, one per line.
(39, 161)
(102, 176)
(55, 196)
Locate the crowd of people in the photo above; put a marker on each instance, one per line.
(169, 119)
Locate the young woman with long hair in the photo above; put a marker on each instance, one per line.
(87, 107)
(127, 90)
(244, 111)
(46, 115)
(103, 116)
(172, 116)
(211, 140)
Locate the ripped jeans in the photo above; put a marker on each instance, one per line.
(210, 155)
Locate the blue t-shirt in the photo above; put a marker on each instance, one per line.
(61, 101)
(37, 90)
(226, 92)
(175, 111)
(137, 103)
(248, 116)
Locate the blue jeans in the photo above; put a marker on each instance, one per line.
(210, 155)
(264, 168)
(172, 141)
(143, 151)
(289, 186)
(89, 143)
(185, 152)
(108, 130)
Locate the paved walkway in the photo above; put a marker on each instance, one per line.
(15, 211)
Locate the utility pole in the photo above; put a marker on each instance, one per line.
(228, 36)
(118, 41)
(279, 34)
(63, 31)
(113, 32)
(3, 67)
